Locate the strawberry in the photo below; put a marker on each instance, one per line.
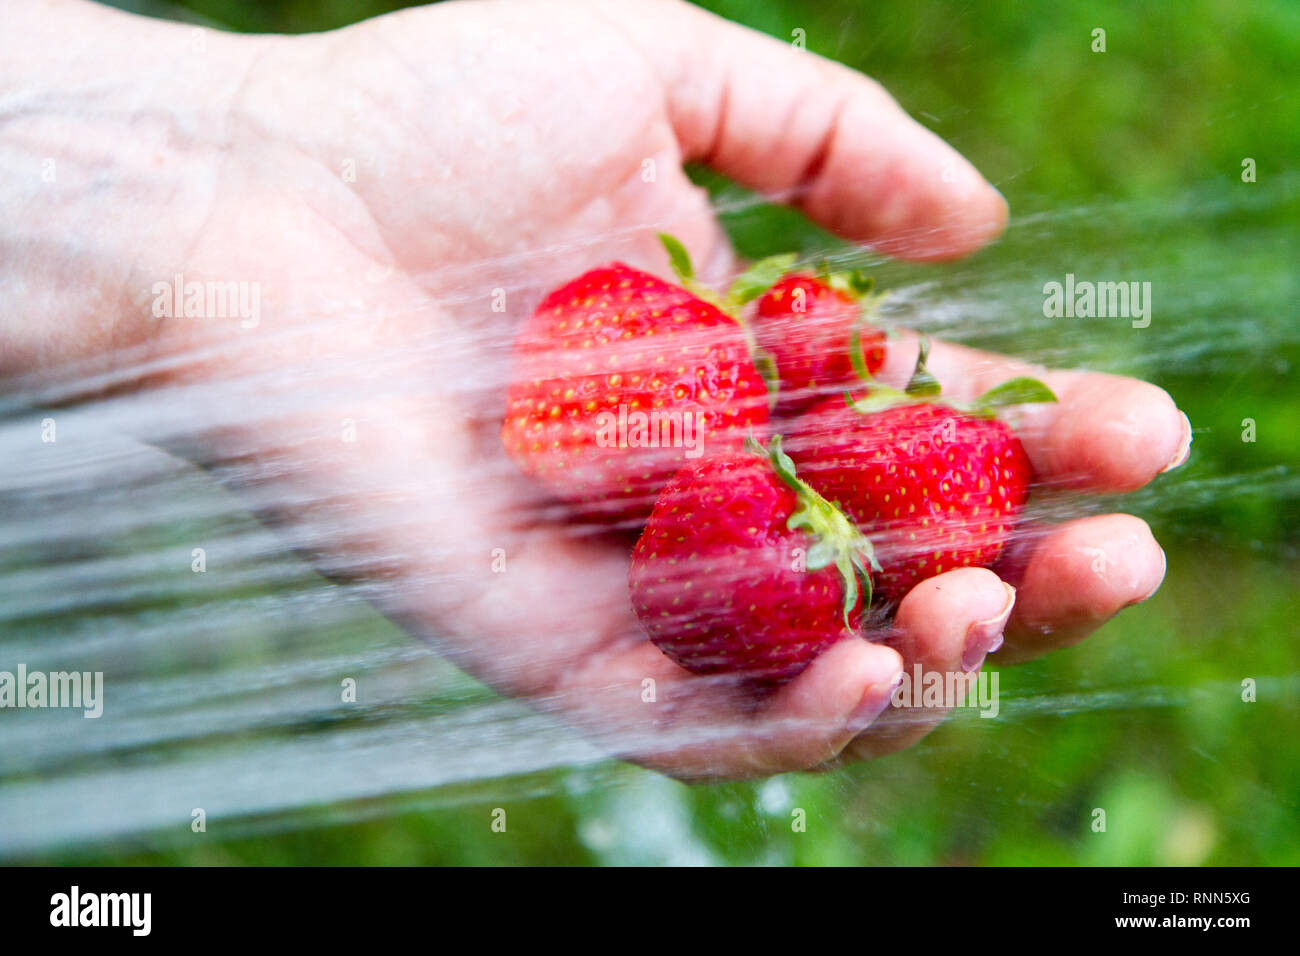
(621, 379)
(933, 484)
(745, 569)
(815, 331)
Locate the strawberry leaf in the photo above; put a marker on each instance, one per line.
(855, 353)
(849, 576)
(783, 465)
(759, 277)
(679, 257)
(765, 365)
(878, 399)
(854, 283)
(860, 284)
(1016, 391)
(865, 550)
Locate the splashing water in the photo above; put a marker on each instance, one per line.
(222, 683)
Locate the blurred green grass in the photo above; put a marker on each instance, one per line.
(1146, 719)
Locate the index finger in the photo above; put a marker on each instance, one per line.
(777, 118)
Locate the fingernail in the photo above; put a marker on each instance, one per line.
(985, 637)
(1184, 447)
(1164, 566)
(875, 699)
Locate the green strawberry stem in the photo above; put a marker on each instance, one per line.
(835, 538)
(924, 387)
(855, 353)
(922, 383)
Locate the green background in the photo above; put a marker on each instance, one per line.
(1123, 164)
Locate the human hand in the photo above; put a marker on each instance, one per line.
(386, 185)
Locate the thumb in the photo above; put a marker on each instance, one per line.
(784, 120)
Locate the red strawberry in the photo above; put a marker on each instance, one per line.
(935, 486)
(621, 379)
(815, 333)
(745, 569)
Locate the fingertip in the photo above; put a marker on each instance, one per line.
(1184, 449)
(1154, 577)
(1109, 562)
(963, 219)
(1116, 434)
(833, 686)
(954, 619)
(984, 217)
(1080, 576)
(972, 594)
(899, 188)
